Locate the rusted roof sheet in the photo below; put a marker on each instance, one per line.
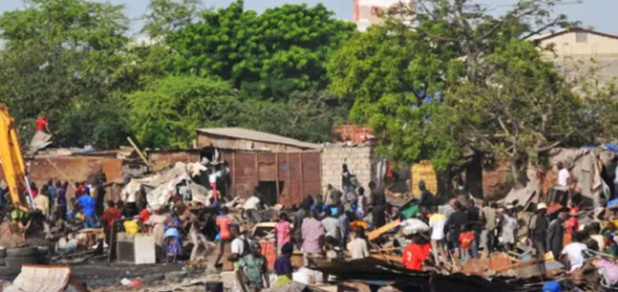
(246, 134)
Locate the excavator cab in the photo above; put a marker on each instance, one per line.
(12, 161)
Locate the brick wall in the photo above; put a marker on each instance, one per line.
(361, 162)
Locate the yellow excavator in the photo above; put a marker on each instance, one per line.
(12, 161)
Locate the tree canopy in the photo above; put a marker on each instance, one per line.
(272, 54)
(464, 82)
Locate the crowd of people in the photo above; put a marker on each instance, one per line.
(336, 222)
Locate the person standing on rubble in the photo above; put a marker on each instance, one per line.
(51, 188)
(359, 248)
(509, 228)
(313, 236)
(283, 230)
(331, 224)
(555, 234)
(474, 218)
(457, 219)
(251, 208)
(346, 182)
(196, 236)
(224, 223)
(437, 222)
(61, 199)
(110, 215)
(415, 254)
(489, 218)
(299, 216)
(378, 200)
(87, 204)
(427, 198)
(41, 202)
(537, 231)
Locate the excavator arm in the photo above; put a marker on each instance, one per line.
(12, 160)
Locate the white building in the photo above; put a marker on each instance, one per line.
(366, 12)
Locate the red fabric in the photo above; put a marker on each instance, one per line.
(414, 255)
(80, 191)
(41, 122)
(269, 252)
(571, 225)
(144, 215)
(465, 240)
(110, 215)
(34, 192)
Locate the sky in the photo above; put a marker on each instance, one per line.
(598, 14)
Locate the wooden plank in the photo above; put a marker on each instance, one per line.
(302, 178)
(277, 181)
(386, 228)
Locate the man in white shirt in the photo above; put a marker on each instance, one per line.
(574, 251)
(563, 175)
(331, 225)
(437, 222)
(251, 209)
(358, 247)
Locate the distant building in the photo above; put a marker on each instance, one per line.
(245, 139)
(580, 43)
(574, 51)
(366, 12)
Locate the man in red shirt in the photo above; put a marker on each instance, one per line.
(111, 214)
(42, 124)
(416, 253)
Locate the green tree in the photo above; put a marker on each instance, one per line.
(272, 54)
(167, 112)
(167, 16)
(430, 92)
(307, 116)
(60, 56)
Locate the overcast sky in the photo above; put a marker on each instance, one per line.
(599, 14)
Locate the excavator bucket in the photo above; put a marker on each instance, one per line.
(12, 160)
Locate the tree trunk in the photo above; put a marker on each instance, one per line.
(474, 176)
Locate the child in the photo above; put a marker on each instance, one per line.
(283, 230)
(466, 238)
(172, 239)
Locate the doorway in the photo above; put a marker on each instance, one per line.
(268, 191)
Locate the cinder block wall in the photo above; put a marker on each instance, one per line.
(361, 161)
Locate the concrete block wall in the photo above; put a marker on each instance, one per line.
(361, 161)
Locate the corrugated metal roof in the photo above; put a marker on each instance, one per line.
(246, 134)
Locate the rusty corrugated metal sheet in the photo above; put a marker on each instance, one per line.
(161, 160)
(248, 168)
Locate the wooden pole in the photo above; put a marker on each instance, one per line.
(302, 178)
(233, 192)
(277, 182)
(141, 155)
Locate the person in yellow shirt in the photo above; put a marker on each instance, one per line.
(131, 226)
